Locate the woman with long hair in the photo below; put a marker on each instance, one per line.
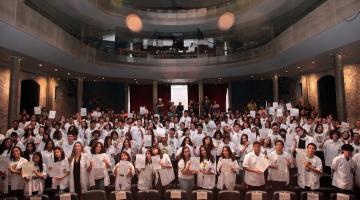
(185, 173)
(227, 168)
(99, 175)
(207, 173)
(16, 182)
(35, 183)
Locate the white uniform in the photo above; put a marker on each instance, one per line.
(331, 150)
(145, 177)
(343, 172)
(16, 182)
(84, 175)
(99, 170)
(356, 160)
(35, 184)
(63, 169)
(253, 178)
(310, 178)
(281, 173)
(227, 177)
(122, 181)
(206, 181)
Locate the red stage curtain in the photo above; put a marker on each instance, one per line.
(141, 95)
(164, 92)
(216, 92)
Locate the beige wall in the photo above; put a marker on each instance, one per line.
(4, 97)
(352, 92)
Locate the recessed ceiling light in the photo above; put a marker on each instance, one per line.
(94, 80)
(56, 69)
(286, 71)
(298, 67)
(226, 21)
(40, 65)
(103, 78)
(68, 73)
(134, 23)
(252, 76)
(313, 62)
(137, 82)
(134, 79)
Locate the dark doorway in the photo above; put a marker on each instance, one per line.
(327, 96)
(30, 92)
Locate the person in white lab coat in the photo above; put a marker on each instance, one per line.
(147, 174)
(228, 171)
(206, 175)
(80, 166)
(343, 168)
(16, 182)
(34, 184)
(99, 174)
(60, 181)
(123, 181)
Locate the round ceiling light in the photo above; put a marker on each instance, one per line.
(226, 21)
(134, 23)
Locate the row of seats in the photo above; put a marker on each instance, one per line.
(196, 195)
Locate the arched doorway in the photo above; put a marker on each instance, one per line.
(327, 96)
(30, 92)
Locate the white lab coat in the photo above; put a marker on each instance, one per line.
(84, 175)
(123, 182)
(343, 176)
(145, 177)
(227, 178)
(206, 181)
(16, 181)
(64, 183)
(105, 170)
(35, 184)
(309, 178)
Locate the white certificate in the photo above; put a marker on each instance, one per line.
(294, 112)
(252, 113)
(279, 113)
(52, 114)
(142, 110)
(98, 161)
(263, 165)
(288, 106)
(120, 195)
(124, 167)
(55, 169)
(37, 110)
(147, 140)
(130, 115)
(4, 163)
(140, 161)
(27, 169)
(272, 111)
(194, 163)
(155, 160)
(83, 112)
(275, 105)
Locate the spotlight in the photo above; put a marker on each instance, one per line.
(134, 23)
(226, 21)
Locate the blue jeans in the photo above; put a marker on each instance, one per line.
(99, 184)
(187, 185)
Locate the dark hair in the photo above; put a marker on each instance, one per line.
(279, 141)
(73, 130)
(62, 154)
(93, 147)
(311, 144)
(347, 147)
(126, 153)
(26, 153)
(40, 164)
(245, 135)
(231, 155)
(256, 143)
(183, 142)
(182, 155)
(27, 134)
(208, 154)
(123, 146)
(2, 146)
(334, 132)
(106, 146)
(15, 147)
(211, 145)
(218, 133)
(47, 142)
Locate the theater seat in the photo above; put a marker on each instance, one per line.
(73, 196)
(228, 195)
(148, 195)
(127, 193)
(280, 195)
(334, 196)
(8, 198)
(250, 194)
(182, 192)
(304, 195)
(94, 195)
(195, 194)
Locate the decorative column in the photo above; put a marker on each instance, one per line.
(79, 97)
(126, 97)
(230, 95)
(155, 95)
(276, 88)
(339, 87)
(14, 90)
(201, 95)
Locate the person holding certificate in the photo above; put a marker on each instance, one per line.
(309, 168)
(227, 167)
(34, 182)
(207, 170)
(80, 166)
(185, 173)
(145, 171)
(255, 165)
(123, 171)
(279, 169)
(59, 170)
(16, 182)
(99, 176)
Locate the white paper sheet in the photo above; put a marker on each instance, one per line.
(37, 110)
(83, 112)
(272, 111)
(124, 167)
(288, 106)
(142, 110)
(263, 165)
(155, 160)
(52, 114)
(175, 194)
(147, 140)
(140, 161)
(252, 113)
(130, 115)
(27, 169)
(279, 113)
(55, 169)
(294, 112)
(275, 105)
(194, 163)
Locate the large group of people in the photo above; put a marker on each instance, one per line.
(258, 149)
